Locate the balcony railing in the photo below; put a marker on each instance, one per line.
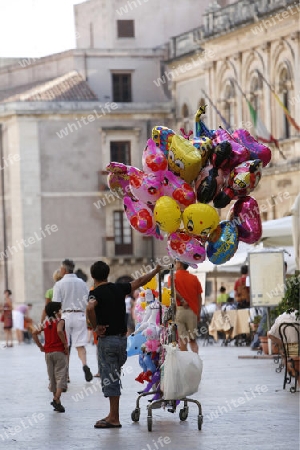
(218, 20)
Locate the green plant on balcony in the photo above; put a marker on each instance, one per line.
(291, 299)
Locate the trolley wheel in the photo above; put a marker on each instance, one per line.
(200, 422)
(183, 414)
(135, 415)
(149, 423)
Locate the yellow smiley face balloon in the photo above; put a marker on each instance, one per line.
(200, 219)
(167, 214)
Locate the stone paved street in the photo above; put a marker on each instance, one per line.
(243, 404)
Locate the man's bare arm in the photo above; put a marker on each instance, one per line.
(144, 278)
(90, 312)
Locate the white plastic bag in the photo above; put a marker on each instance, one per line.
(181, 373)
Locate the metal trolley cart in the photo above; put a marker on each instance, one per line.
(169, 336)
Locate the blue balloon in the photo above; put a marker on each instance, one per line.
(222, 243)
(134, 343)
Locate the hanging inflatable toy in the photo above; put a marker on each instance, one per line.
(167, 214)
(162, 136)
(209, 183)
(257, 149)
(186, 248)
(243, 179)
(153, 159)
(173, 186)
(184, 159)
(222, 243)
(200, 219)
(245, 215)
(118, 178)
(200, 127)
(140, 217)
(144, 186)
(238, 154)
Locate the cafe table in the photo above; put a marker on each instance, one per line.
(231, 322)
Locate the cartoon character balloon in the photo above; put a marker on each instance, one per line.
(140, 217)
(209, 183)
(257, 149)
(243, 179)
(178, 189)
(153, 159)
(162, 136)
(186, 248)
(118, 178)
(167, 214)
(144, 186)
(222, 243)
(184, 159)
(238, 153)
(200, 219)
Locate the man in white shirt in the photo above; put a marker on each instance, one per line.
(72, 292)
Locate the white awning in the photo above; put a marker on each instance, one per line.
(278, 233)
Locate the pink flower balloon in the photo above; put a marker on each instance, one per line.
(245, 215)
(175, 187)
(153, 159)
(140, 217)
(186, 248)
(145, 186)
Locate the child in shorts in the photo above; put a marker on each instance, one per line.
(56, 352)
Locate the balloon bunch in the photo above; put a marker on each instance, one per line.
(181, 176)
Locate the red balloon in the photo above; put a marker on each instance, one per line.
(245, 215)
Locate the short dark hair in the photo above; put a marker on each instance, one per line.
(184, 265)
(52, 308)
(244, 270)
(68, 265)
(100, 271)
(8, 291)
(80, 274)
(222, 289)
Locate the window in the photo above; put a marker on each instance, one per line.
(285, 88)
(121, 87)
(185, 111)
(256, 91)
(229, 104)
(125, 28)
(120, 152)
(123, 234)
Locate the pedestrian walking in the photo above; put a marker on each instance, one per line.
(56, 352)
(72, 293)
(7, 318)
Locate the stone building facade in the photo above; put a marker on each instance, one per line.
(64, 117)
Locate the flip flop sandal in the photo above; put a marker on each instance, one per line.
(104, 424)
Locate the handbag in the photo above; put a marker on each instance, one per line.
(2, 318)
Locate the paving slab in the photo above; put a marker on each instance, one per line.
(243, 404)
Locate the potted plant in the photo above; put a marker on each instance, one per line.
(255, 323)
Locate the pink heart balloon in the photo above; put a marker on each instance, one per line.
(245, 215)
